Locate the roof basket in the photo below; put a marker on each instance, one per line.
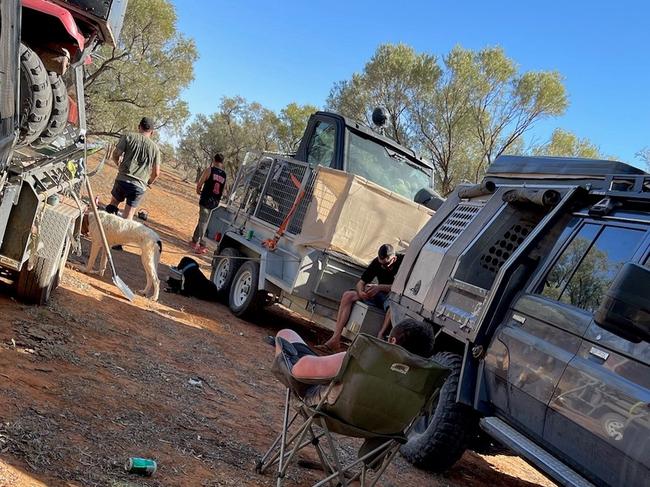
(523, 167)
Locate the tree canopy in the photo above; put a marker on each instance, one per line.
(239, 126)
(564, 143)
(462, 113)
(143, 75)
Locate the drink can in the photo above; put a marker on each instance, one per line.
(250, 234)
(142, 466)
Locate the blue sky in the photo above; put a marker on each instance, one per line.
(276, 52)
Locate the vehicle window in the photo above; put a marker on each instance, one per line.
(382, 166)
(586, 268)
(322, 144)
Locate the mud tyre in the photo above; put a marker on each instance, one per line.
(35, 96)
(59, 115)
(227, 264)
(244, 299)
(438, 440)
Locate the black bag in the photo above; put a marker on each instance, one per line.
(187, 279)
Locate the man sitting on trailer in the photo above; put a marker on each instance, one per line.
(384, 267)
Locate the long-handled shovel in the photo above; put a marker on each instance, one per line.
(121, 285)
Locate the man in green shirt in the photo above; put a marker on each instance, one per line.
(138, 169)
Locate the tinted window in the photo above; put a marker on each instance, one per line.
(321, 146)
(586, 268)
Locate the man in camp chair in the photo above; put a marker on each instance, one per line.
(373, 391)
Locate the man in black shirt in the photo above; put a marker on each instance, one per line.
(384, 268)
(210, 187)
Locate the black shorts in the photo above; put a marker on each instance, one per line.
(126, 190)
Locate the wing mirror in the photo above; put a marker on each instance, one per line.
(625, 309)
(429, 198)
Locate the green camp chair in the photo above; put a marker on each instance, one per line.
(378, 393)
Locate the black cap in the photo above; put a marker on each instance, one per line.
(146, 124)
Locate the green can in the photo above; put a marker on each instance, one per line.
(249, 234)
(142, 466)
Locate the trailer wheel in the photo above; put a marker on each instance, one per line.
(438, 440)
(36, 285)
(228, 263)
(59, 116)
(244, 299)
(35, 96)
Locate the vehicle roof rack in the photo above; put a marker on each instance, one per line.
(527, 167)
(626, 186)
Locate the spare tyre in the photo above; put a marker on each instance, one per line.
(59, 115)
(35, 96)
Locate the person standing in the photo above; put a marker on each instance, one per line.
(210, 188)
(137, 157)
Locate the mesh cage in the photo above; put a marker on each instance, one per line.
(454, 225)
(267, 187)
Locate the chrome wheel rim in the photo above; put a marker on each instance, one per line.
(242, 288)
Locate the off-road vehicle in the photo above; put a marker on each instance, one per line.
(537, 283)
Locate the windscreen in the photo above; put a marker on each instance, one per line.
(382, 165)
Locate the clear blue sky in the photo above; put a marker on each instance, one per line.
(276, 52)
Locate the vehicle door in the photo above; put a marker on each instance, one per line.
(323, 144)
(599, 415)
(543, 331)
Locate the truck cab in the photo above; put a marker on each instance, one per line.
(528, 280)
(334, 141)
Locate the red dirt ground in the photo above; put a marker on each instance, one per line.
(90, 380)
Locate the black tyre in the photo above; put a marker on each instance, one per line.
(438, 440)
(59, 115)
(244, 298)
(227, 264)
(36, 285)
(35, 96)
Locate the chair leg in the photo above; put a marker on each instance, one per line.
(384, 465)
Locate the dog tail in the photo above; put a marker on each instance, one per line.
(159, 242)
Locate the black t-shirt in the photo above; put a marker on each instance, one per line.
(213, 188)
(383, 275)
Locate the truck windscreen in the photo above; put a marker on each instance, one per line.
(382, 165)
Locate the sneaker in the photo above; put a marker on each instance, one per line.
(201, 250)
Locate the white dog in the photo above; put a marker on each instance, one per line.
(122, 232)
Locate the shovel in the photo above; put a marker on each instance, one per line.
(121, 285)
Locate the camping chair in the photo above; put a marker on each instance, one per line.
(378, 393)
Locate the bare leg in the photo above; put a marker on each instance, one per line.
(128, 212)
(347, 301)
(290, 336)
(386, 326)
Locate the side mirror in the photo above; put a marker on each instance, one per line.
(625, 309)
(429, 198)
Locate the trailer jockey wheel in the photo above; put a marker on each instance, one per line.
(35, 96)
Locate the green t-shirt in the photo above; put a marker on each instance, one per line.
(140, 155)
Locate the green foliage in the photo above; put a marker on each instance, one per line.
(143, 75)
(565, 144)
(239, 126)
(463, 114)
(291, 124)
